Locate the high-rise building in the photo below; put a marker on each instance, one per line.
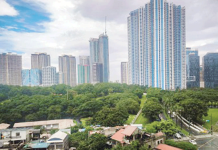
(156, 45)
(48, 76)
(99, 53)
(201, 77)
(10, 69)
(124, 72)
(83, 70)
(39, 60)
(192, 68)
(31, 77)
(97, 73)
(210, 70)
(67, 70)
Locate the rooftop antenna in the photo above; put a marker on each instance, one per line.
(105, 25)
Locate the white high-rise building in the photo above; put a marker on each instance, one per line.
(39, 60)
(156, 45)
(124, 72)
(67, 70)
(10, 69)
(48, 76)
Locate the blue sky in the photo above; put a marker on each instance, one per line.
(65, 27)
(28, 20)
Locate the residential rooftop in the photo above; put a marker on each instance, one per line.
(62, 123)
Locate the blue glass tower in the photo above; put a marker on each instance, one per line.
(192, 68)
(210, 70)
(32, 77)
(156, 45)
(99, 54)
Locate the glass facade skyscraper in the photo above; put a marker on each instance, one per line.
(83, 70)
(192, 68)
(156, 45)
(99, 54)
(210, 70)
(32, 77)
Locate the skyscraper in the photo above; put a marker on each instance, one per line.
(192, 68)
(210, 70)
(48, 76)
(83, 70)
(124, 72)
(99, 53)
(10, 69)
(31, 77)
(67, 70)
(39, 60)
(97, 73)
(156, 45)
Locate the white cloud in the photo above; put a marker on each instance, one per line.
(6, 9)
(73, 22)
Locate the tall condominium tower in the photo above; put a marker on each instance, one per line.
(31, 77)
(210, 70)
(124, 72)
(83, 70)
(156, 45)
(10, 69)
(48, 76)
(192, 68)
(67, 70)
(99, 53)
(39, 60)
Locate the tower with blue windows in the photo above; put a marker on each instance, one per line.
(156, 45)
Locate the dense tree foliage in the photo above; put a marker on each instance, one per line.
(111, 117)
(166, 127)
(191, 103)
(152, 108)
(182, 145)
(19, 104)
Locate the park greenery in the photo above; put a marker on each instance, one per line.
(18, 104)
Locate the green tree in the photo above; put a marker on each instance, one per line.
(110, 117)
(151, 110)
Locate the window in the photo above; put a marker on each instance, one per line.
(18, 134)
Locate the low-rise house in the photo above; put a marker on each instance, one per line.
(153, 140)
(47, 124)
(58, 141)
(126, 135)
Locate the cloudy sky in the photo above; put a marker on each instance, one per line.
(65, 27)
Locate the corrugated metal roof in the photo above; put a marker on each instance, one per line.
(63, 123)
(118, 136)
(57, 137)
(129, 130)
(4, 126)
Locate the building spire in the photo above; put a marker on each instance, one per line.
(105, 26)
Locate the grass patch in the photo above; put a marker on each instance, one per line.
(83, 120)
(143, 99)
(214, 113)
(131, 117)
(142, 120)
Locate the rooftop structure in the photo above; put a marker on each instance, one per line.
(48, 124)
(4, 126)
(166, 147)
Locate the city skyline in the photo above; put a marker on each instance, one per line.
(47, 31)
